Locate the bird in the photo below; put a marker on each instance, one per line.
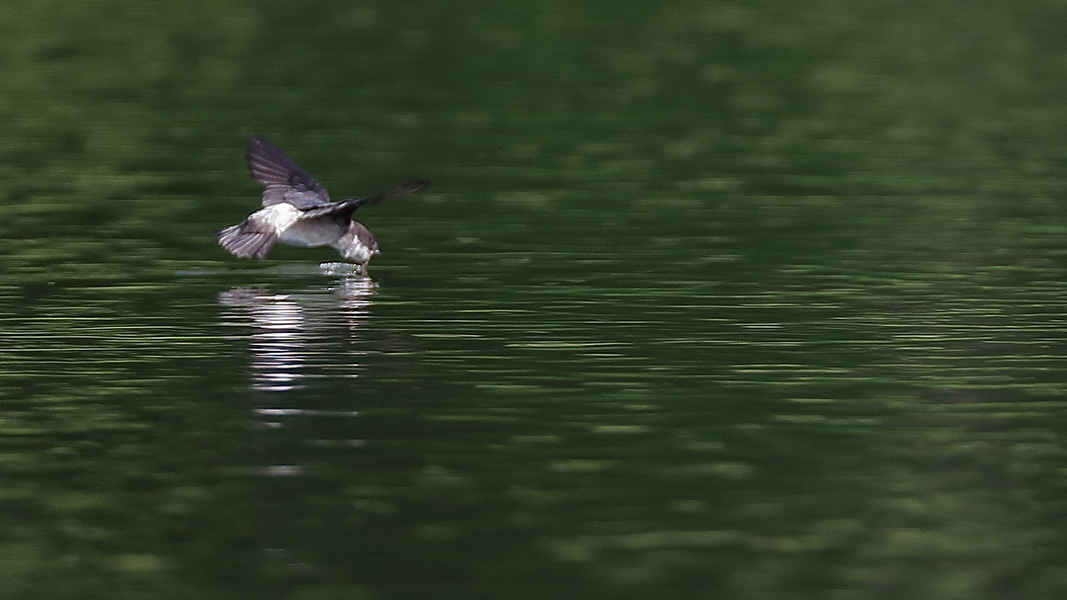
(297, 211)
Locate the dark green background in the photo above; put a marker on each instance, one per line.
(748, 300)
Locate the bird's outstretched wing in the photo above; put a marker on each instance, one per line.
(283, 180)
(352, 204)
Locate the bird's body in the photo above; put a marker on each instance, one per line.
(298, 211)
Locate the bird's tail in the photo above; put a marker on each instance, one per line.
(248, 238)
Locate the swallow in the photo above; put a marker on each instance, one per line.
(298, 211)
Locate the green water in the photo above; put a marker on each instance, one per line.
(748, 300)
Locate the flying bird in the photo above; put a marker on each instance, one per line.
(297, 211)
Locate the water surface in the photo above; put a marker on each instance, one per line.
(726, 300)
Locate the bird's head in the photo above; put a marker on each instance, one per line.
(357, 244)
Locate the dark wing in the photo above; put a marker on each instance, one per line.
(352, 204)
(283, 180)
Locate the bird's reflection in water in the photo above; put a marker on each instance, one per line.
(292, 335)
(300, 344)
